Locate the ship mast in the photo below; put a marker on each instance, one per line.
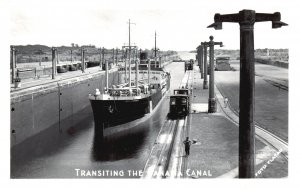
(129, 58)
(155, 51)
(155, 47)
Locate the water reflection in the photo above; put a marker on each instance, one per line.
(119, 147)
(51, 154)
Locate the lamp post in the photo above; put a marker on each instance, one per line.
(71, 56)
(212, 105)
(117, 52)
(53, 62)
(13, 63)
(82, 60)
(200, 59)
(40, 58)
(246, 20)
(205, 45)
(103, 57)
(113, 57)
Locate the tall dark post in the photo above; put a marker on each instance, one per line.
(136, 74)
(71, 56)
(106, 74)
(100, 58)
(246, 19)
(82, 60)
(200, 59)
(53, 62)
(57, 57)
(125, 65)
(205, 82)
(212, 105)
(117, 52)
(113, 51)
(40, 53)
(123, 54)
(13, 63)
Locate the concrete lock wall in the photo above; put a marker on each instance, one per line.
(282, 64)
(60, 104)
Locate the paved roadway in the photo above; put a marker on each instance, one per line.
(271, 100)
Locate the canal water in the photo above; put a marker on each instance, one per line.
(78, 155)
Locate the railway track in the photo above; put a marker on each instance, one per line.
(166, 160)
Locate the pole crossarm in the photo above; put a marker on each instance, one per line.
(127, 46)
(247, 17)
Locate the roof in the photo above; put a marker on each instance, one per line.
(179, 95)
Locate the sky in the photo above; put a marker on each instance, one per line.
(180, 25)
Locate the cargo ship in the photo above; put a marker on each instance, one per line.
(124, 106)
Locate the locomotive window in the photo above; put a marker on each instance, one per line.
(183, 101)
(173, 101)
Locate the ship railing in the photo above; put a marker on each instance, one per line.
(121, 92)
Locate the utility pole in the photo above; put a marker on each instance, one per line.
(71, 56)
(205, 45)
(53, 62)
(117, 52)
(40, 53)
(100, 57)
(82, 60)
(57, 58)
(246, 20)
(113, 51)
(103, 57)
(125, 64)
(200, 59)
(13, 63)
(212, 105)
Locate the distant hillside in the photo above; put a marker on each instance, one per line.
(36, 53)
(273, 54)
(31, 49)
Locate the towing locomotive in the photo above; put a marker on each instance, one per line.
(179, 103)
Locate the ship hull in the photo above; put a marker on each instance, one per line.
(115, 116)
